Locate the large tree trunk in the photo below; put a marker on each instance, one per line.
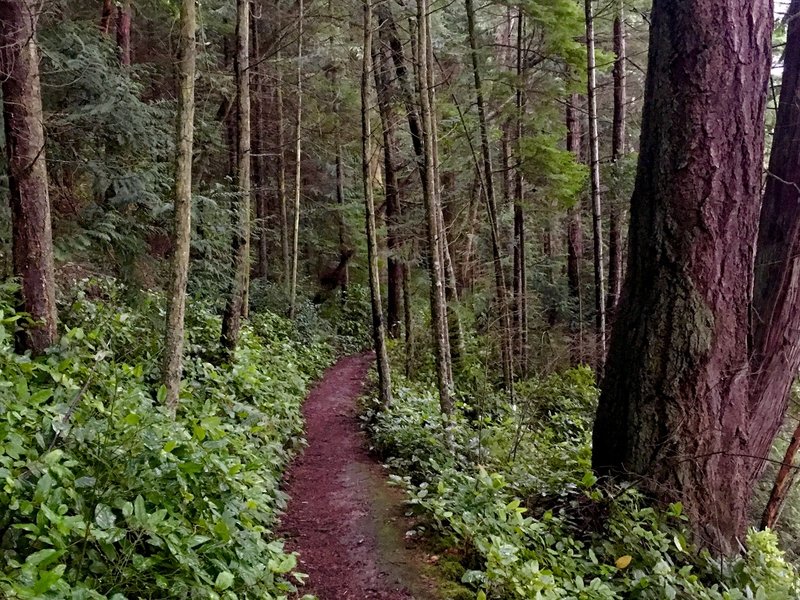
(438, 303)
(378, 329)
(575, 227)
(776, 293)
(32, 239)
(615, 213)
(594, 168)
(500, 283)
(298, 157)
(393, 206)
(240, 245)
(176, 299)
(674, 409)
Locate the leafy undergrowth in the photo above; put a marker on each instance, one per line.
(106, 495)
(516, 503)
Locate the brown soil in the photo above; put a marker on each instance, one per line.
(344, 520)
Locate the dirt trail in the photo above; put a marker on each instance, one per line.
(343, 519)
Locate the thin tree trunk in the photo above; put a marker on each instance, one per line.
(281, 175)
(124, 33)
(500, 284)
(32, 239)
(240, 246)
(594, 168)
(298, 161)
(520, 262)
(408, 320)
(176, 299)
(106, 15)
(438, 304)
(344, 248)
(575, 228)
(675, 410)
(258, 160)
(393, 207)
(378, 329)
(787, 474)
(616, 212)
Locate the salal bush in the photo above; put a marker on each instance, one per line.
(105, 494)
(509, 489)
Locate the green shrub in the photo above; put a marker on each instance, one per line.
(106, 495)
(514, 492)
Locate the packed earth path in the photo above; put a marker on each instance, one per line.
(343, 518)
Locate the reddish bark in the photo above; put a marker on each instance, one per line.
(674, 407)
(783, 483)
(124, 33)
(32, 243)
(106, 16)
(776, 320)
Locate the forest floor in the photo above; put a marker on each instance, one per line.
(346, 522)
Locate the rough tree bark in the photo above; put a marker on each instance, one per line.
(594, 168)
(776, 294)
(182, 227)
(674, 408)
(240, 237)
(32, 240)
(438, 303)
(298, 161)
(378, 328)
(616, 212)
(488, 180)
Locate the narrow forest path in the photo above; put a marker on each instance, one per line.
(343, 518)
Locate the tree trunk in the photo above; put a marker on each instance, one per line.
(575, 228)
(438, 304)
(258, 161)
(674, 410)
(594, 168)
(783, 483)
(393, 206)
(520, 262)
(378, 330)
(775, 318)
(176, 299)
(106, 16)
(488, 179)
(124, 33)
(298, 155)
(240, 244)
(32, 239)
(344, 247)
(616, 212)
(281, 175)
